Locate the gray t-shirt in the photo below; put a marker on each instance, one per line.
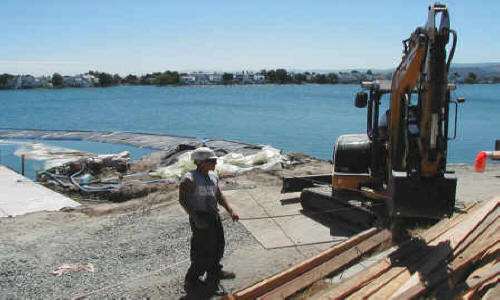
(204, 197)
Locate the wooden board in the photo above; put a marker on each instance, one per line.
(280, 278)
(445, 246)
(329, 267)
(356, 282)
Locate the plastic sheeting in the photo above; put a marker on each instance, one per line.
(268, 158)
(52, 155)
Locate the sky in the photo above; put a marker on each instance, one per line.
(139, 37)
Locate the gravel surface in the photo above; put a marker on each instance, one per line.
(144, 253)
(123, 248)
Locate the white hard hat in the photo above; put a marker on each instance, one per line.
(203, 153)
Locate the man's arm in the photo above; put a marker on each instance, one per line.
(223, 201)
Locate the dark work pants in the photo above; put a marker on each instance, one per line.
(207, 248)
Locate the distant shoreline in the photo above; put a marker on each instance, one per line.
(205, 85)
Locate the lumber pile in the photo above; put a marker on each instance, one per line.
(456, 258)
(302, 275)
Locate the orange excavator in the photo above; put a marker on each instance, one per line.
(400, 162)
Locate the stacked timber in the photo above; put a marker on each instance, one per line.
(330, 261)
(456, 258)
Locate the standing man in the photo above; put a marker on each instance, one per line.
(199, 194)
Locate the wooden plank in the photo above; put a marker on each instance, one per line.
(452, 286)
(397, 265)
(356, 282)
(446, 224)
(453, 272)
(473, 236)
(483, 274)
(276, 280)
(399, 275)
(329, 267)
(478, 292)
(444, 247)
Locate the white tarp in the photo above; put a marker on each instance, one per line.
(51, 155)
(268, 158)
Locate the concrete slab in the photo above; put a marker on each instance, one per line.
(20, 195)
(276, 220)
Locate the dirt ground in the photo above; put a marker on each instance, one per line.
(140, 248)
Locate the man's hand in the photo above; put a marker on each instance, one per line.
(234, 216)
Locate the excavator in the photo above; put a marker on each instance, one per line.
(397, 169)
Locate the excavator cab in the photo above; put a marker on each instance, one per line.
(365, 157)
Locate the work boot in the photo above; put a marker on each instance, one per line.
(194, 284)
(196, 289)
(226, 275)
(215, 289)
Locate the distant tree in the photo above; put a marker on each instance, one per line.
(333, 78)
(282, 76)
(57, 80)
(227, 78)
(471, 78)
(117, 80)
(130, 79)
(4, 78)
(146, 79)
(321, 79)
(299, 78)
(369, 72)
(105, 79)
(271, 76)
(167, 78)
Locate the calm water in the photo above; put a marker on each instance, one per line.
(302, 118)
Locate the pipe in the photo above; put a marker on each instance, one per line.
(482, 157)
(90, 189)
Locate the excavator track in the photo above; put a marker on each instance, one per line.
(349, 207)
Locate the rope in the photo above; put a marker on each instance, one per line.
(83, 296)
(300, 214)
(277, 224)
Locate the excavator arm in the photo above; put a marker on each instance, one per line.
(418, 182)
(424, 68)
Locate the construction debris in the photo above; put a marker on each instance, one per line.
(67, 268)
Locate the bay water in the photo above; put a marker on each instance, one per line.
(295, 118)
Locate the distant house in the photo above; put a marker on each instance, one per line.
(24, 82)
(201, 78)
(187, 79)
(80, 80)
(258, 78)
(214, 78)
(45, 81)
(15, 83)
